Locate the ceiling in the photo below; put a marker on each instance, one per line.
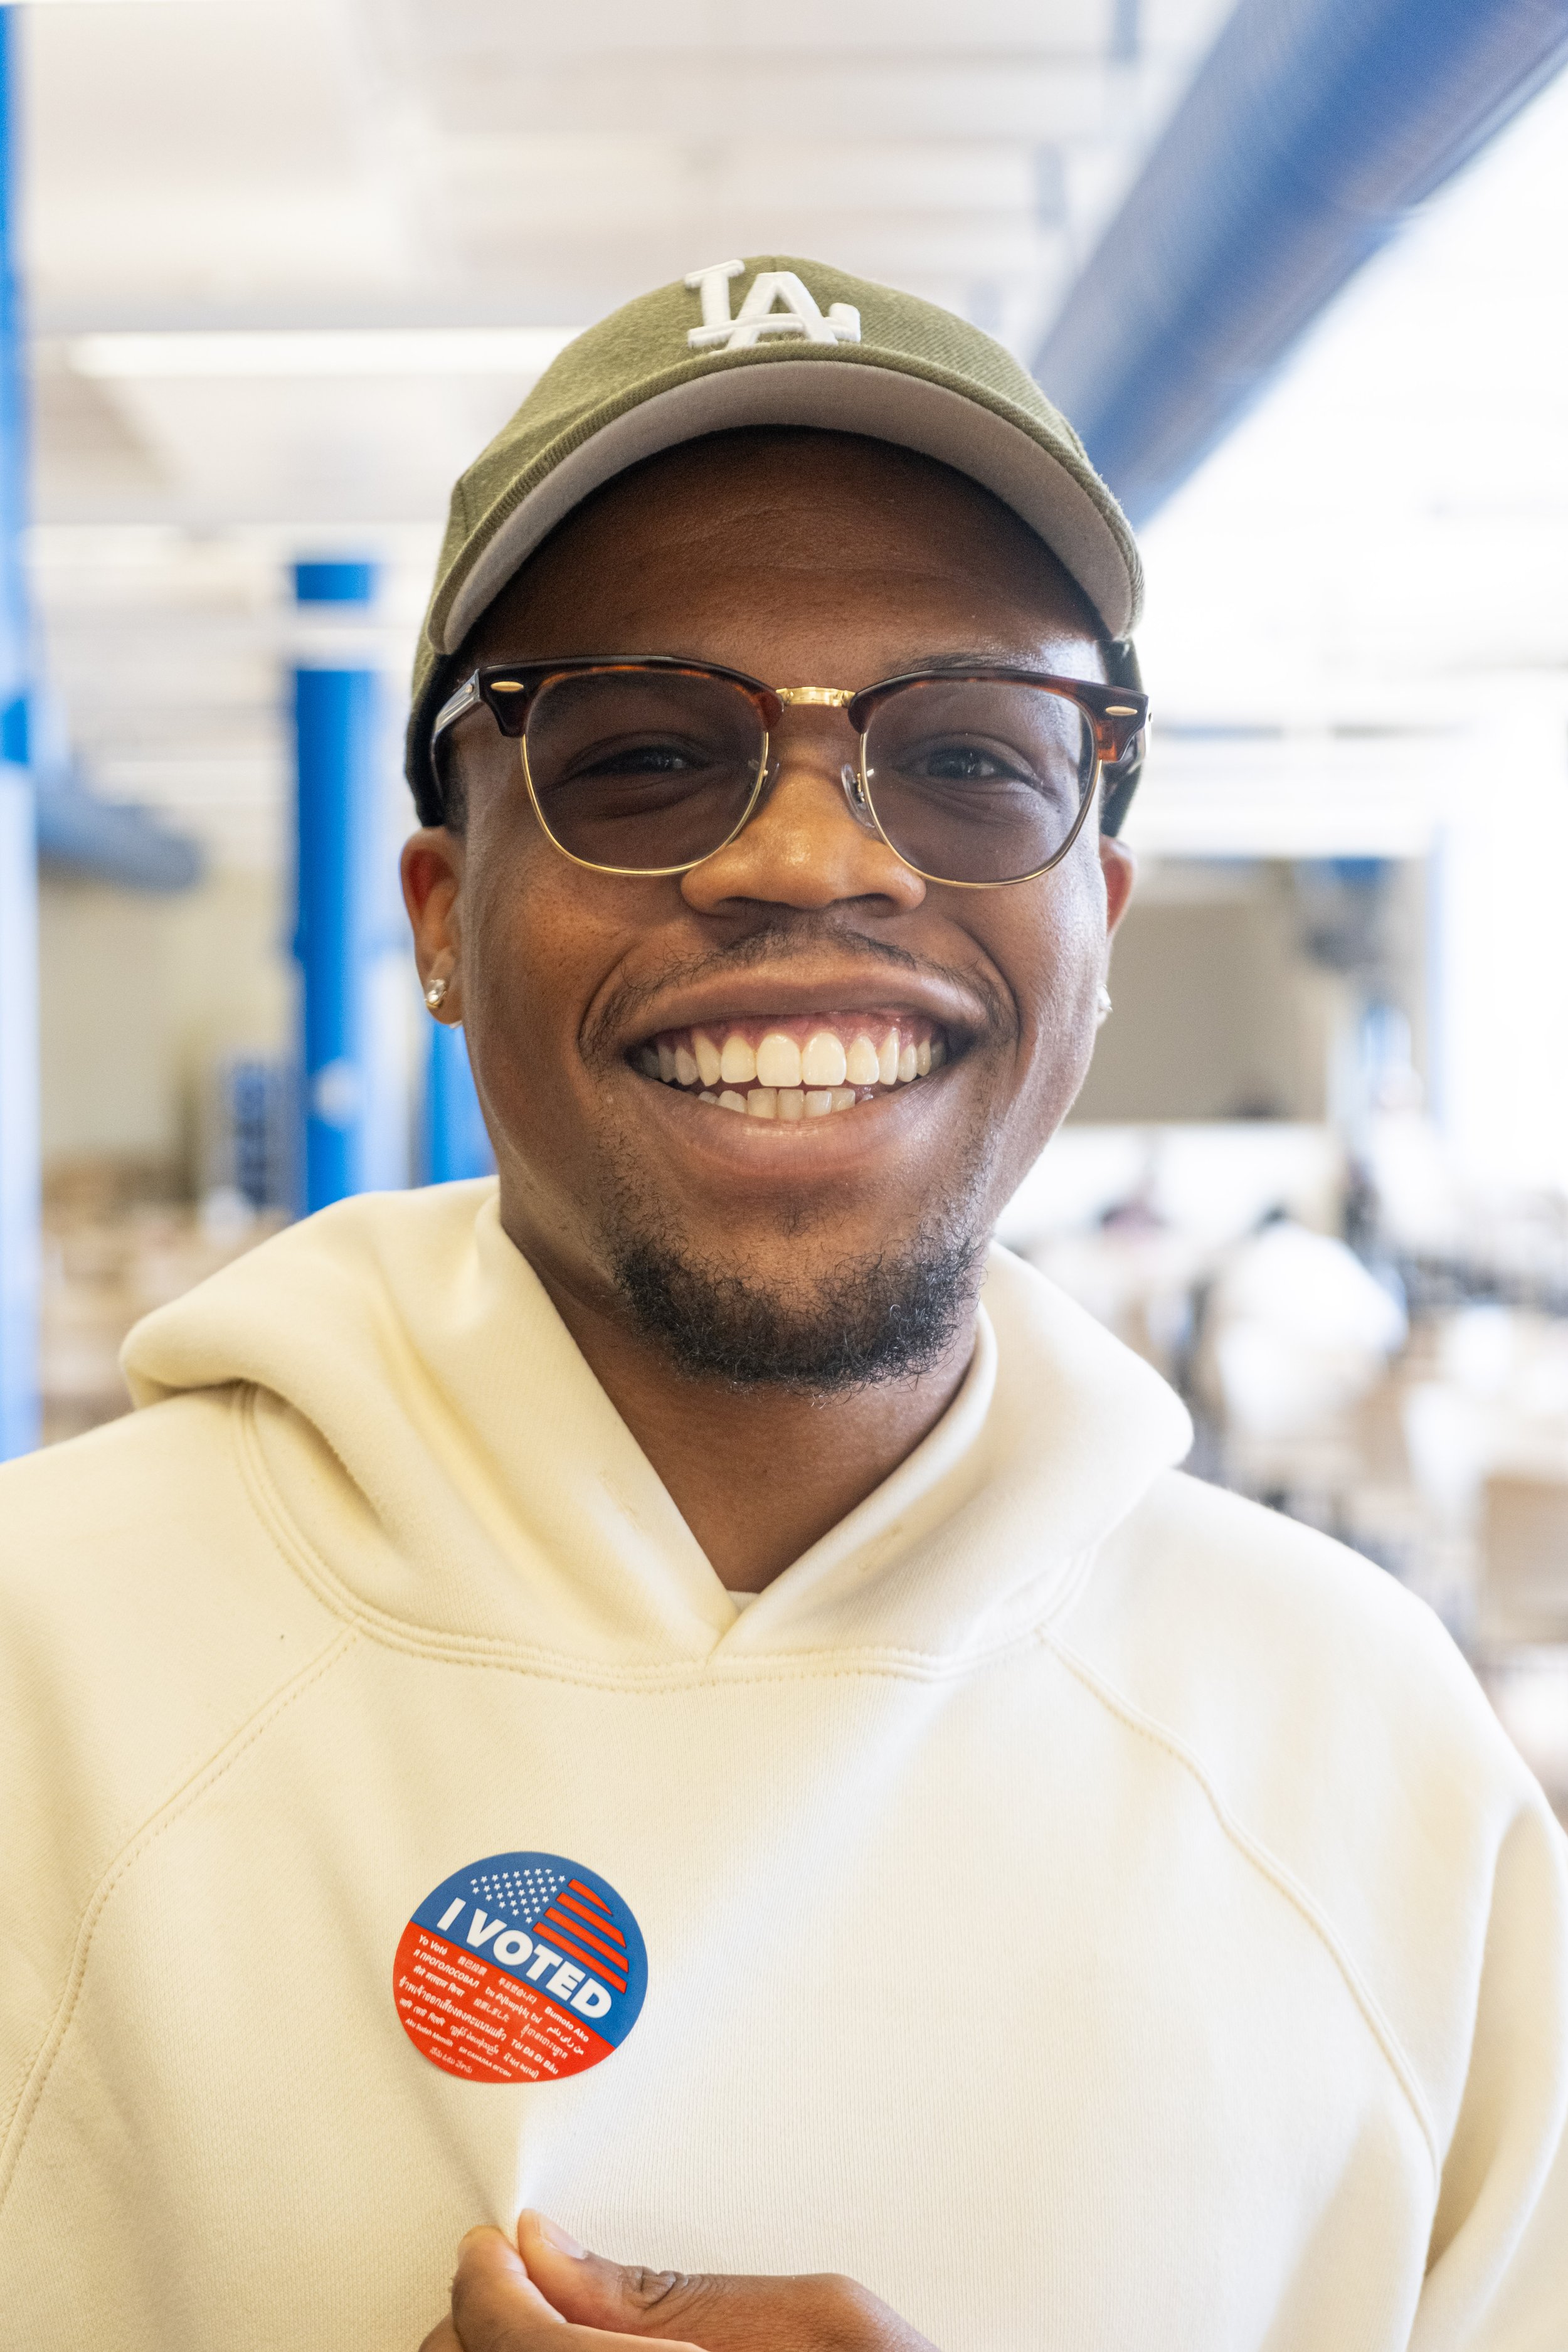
(244, 224)
(288, 265)
(1357, 633)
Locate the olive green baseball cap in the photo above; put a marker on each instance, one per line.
(769, 340)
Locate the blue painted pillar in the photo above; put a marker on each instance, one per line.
(456, 1142)
(337, 721)
(18, 853)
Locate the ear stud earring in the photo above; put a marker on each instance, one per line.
(436, 995)
(1105, 1005)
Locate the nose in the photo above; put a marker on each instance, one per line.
(813, 841)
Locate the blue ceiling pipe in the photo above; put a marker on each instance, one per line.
(1310, 132)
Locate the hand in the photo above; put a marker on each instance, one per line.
(545, 2294)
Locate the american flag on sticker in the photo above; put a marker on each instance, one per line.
(575, 1918)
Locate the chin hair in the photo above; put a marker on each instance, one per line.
(854, 1327)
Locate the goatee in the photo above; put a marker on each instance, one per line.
(855, 1325)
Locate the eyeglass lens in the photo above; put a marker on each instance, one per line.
(978, 780)
(642, 769)
(971, 780)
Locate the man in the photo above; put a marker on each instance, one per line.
(674, 1690)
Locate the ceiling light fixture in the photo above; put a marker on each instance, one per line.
(313, 352)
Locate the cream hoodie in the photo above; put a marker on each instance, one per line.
(1095, 1913)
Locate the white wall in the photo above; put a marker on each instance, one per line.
(1216, 1015)
(139, 994)
(1499, 966)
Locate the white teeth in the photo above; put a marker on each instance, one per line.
(862, 1067)
(778, 1060)
(780, 1080)
(738, 1066)
(823, 1062)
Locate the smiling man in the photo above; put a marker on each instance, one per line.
(757, 1108)
(681, 1687)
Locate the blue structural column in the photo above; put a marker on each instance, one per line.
(456, 1143)
(337, 727)
(18, 855)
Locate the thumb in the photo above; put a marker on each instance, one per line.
(612, 2296)
(698, 2313)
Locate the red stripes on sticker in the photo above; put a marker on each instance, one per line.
(591, 1919)
(602, 1966)
(570, 1926)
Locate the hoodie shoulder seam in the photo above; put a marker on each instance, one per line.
(1269, 1866)
(173, 1808)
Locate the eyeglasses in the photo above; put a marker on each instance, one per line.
(650, 764)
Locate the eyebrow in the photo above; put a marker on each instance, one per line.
(987, 657)
(990, 657)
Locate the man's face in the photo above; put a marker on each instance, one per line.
(841, 1244)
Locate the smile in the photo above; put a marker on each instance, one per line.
(800, 1066)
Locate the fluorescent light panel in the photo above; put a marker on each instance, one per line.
(310, 351)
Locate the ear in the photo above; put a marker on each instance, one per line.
(432, 871)
(1120, 868)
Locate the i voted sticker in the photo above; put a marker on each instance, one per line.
(520, 1968)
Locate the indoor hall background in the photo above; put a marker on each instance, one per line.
(284, 267)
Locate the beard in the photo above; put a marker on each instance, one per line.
(854, 1327)
(851, 1323)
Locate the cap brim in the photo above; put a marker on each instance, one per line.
(883, 402)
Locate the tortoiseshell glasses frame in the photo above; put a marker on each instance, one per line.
(1111, 720)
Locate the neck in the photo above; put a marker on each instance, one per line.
(758, 1474)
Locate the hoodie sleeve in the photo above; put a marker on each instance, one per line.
(1333, 1716)
(146, 1620)
(1498, 2274)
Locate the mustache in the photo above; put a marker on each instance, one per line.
(769, 942)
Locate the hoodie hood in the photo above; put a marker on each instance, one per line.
(428, 1442)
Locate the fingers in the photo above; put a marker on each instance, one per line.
(627, 2304)
(496, 2307)
(546, 2293)
(717, 2314)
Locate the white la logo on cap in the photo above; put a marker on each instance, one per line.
(799, 315)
